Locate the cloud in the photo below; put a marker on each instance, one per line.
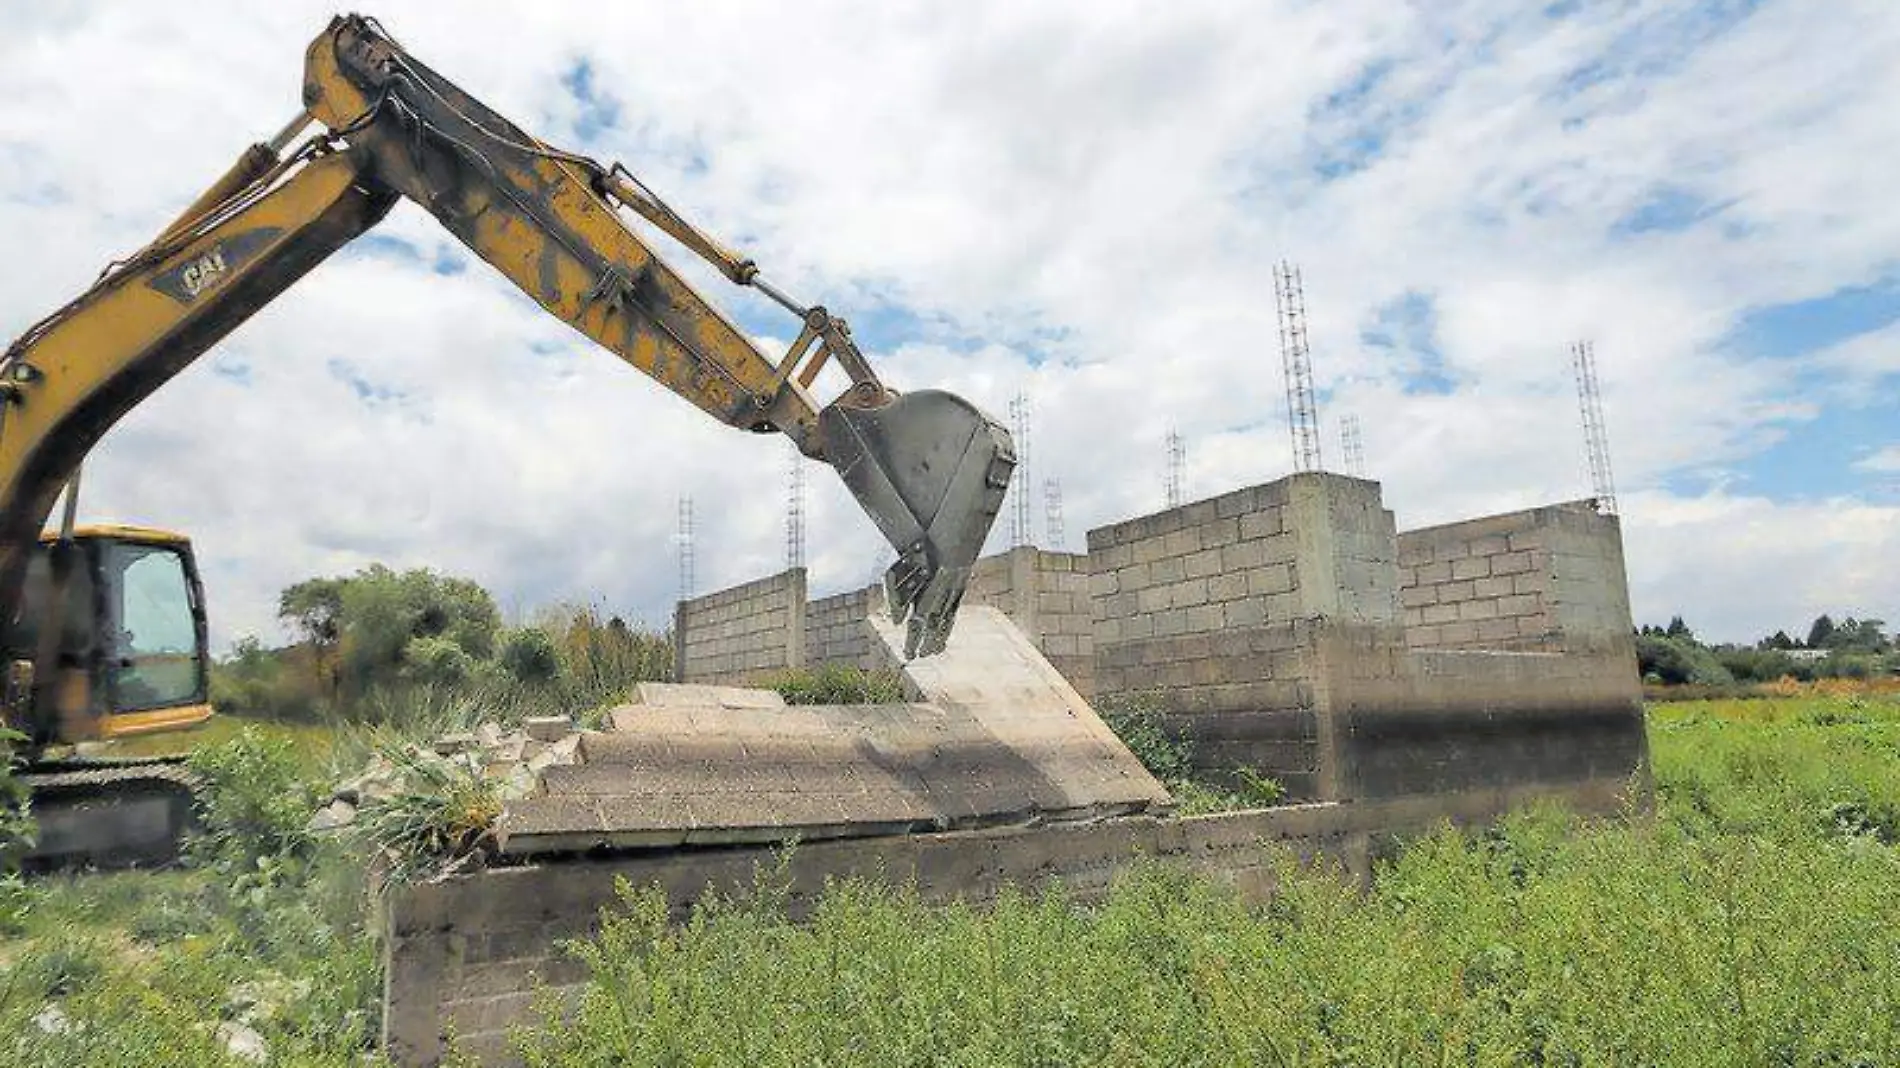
(1082, 202)
(1881, 461)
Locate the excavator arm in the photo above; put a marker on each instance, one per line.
(928, 468)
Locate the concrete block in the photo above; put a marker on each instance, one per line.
(1471, 568)
(1250, 612)
(1220, 532)
(1202, 564)
(1495, 586)
(1204, 618)
(1489, 545)
(1167, 570)
(1491, 630)
(1412, 597)
(1243, 555)
(1190, 593)
(1227, 586)
(1453, 592)
(1441, 613)
(1511, 563)
(1270, 579)
(1104, 583)
(1148, 550)
(1182, 542)
(1262, 524)
(1459, 633)
(1434, 572)
(1480, 609)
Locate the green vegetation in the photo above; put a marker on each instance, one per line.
(415, 651)
(1748, 922)
(838, 684)
(1851, 649)
(1139, 723)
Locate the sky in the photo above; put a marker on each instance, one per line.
(1080, 203)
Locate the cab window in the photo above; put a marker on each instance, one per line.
(156, 660)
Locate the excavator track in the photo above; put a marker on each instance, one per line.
(109, 814)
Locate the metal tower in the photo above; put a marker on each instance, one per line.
(1177, 461)
(1353, 445)
(794, 507)
(1020, 531)
(1302, 403)
(1052, 514)
(685, 537)
(1596, 439)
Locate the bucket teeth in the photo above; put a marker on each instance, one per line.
(930, 469)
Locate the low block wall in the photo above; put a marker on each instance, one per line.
(743, 634)
(748, 632)
(1271, 628)
(1196, 609)
(1546, 579)
(835, 632)
(464, 956)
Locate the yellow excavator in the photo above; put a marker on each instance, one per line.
(105, 625)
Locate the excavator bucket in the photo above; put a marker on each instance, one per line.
(931, 471)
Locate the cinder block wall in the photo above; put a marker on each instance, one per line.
(1047, 595)
(1195, 611)
(742, 634)
(835, 632)
(1546, 578)
(1267, 626)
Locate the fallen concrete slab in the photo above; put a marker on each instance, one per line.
(999, 738)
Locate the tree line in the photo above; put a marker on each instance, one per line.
(1851, 648)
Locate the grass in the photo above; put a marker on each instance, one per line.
(1750, 921)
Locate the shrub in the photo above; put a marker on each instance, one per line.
(838, 684)
(528, 655)
(1137, 720)
(444, 813)
(436, 661)
(253, 807)
(1679, 661)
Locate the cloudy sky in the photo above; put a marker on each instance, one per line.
(1078, 202)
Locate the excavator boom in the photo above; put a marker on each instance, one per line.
(929, 468)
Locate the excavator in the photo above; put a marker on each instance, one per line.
(105, 629)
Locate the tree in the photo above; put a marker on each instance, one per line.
(1679, 629)
(1778, 640)
(384, 611)
(1820, 632)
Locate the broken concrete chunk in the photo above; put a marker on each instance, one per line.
(337, 814)
(488, 735)
(548, 728)
(451, 744)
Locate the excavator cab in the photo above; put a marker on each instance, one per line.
(131, 655)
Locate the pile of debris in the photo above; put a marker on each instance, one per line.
(511, 759)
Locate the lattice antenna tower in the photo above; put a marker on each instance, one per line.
(1353, 445)
(1302, 403)
(1020, 531)
(1052, 514)
(1177, 463)
(794, 507)
(685, 539)
(1596, 438)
